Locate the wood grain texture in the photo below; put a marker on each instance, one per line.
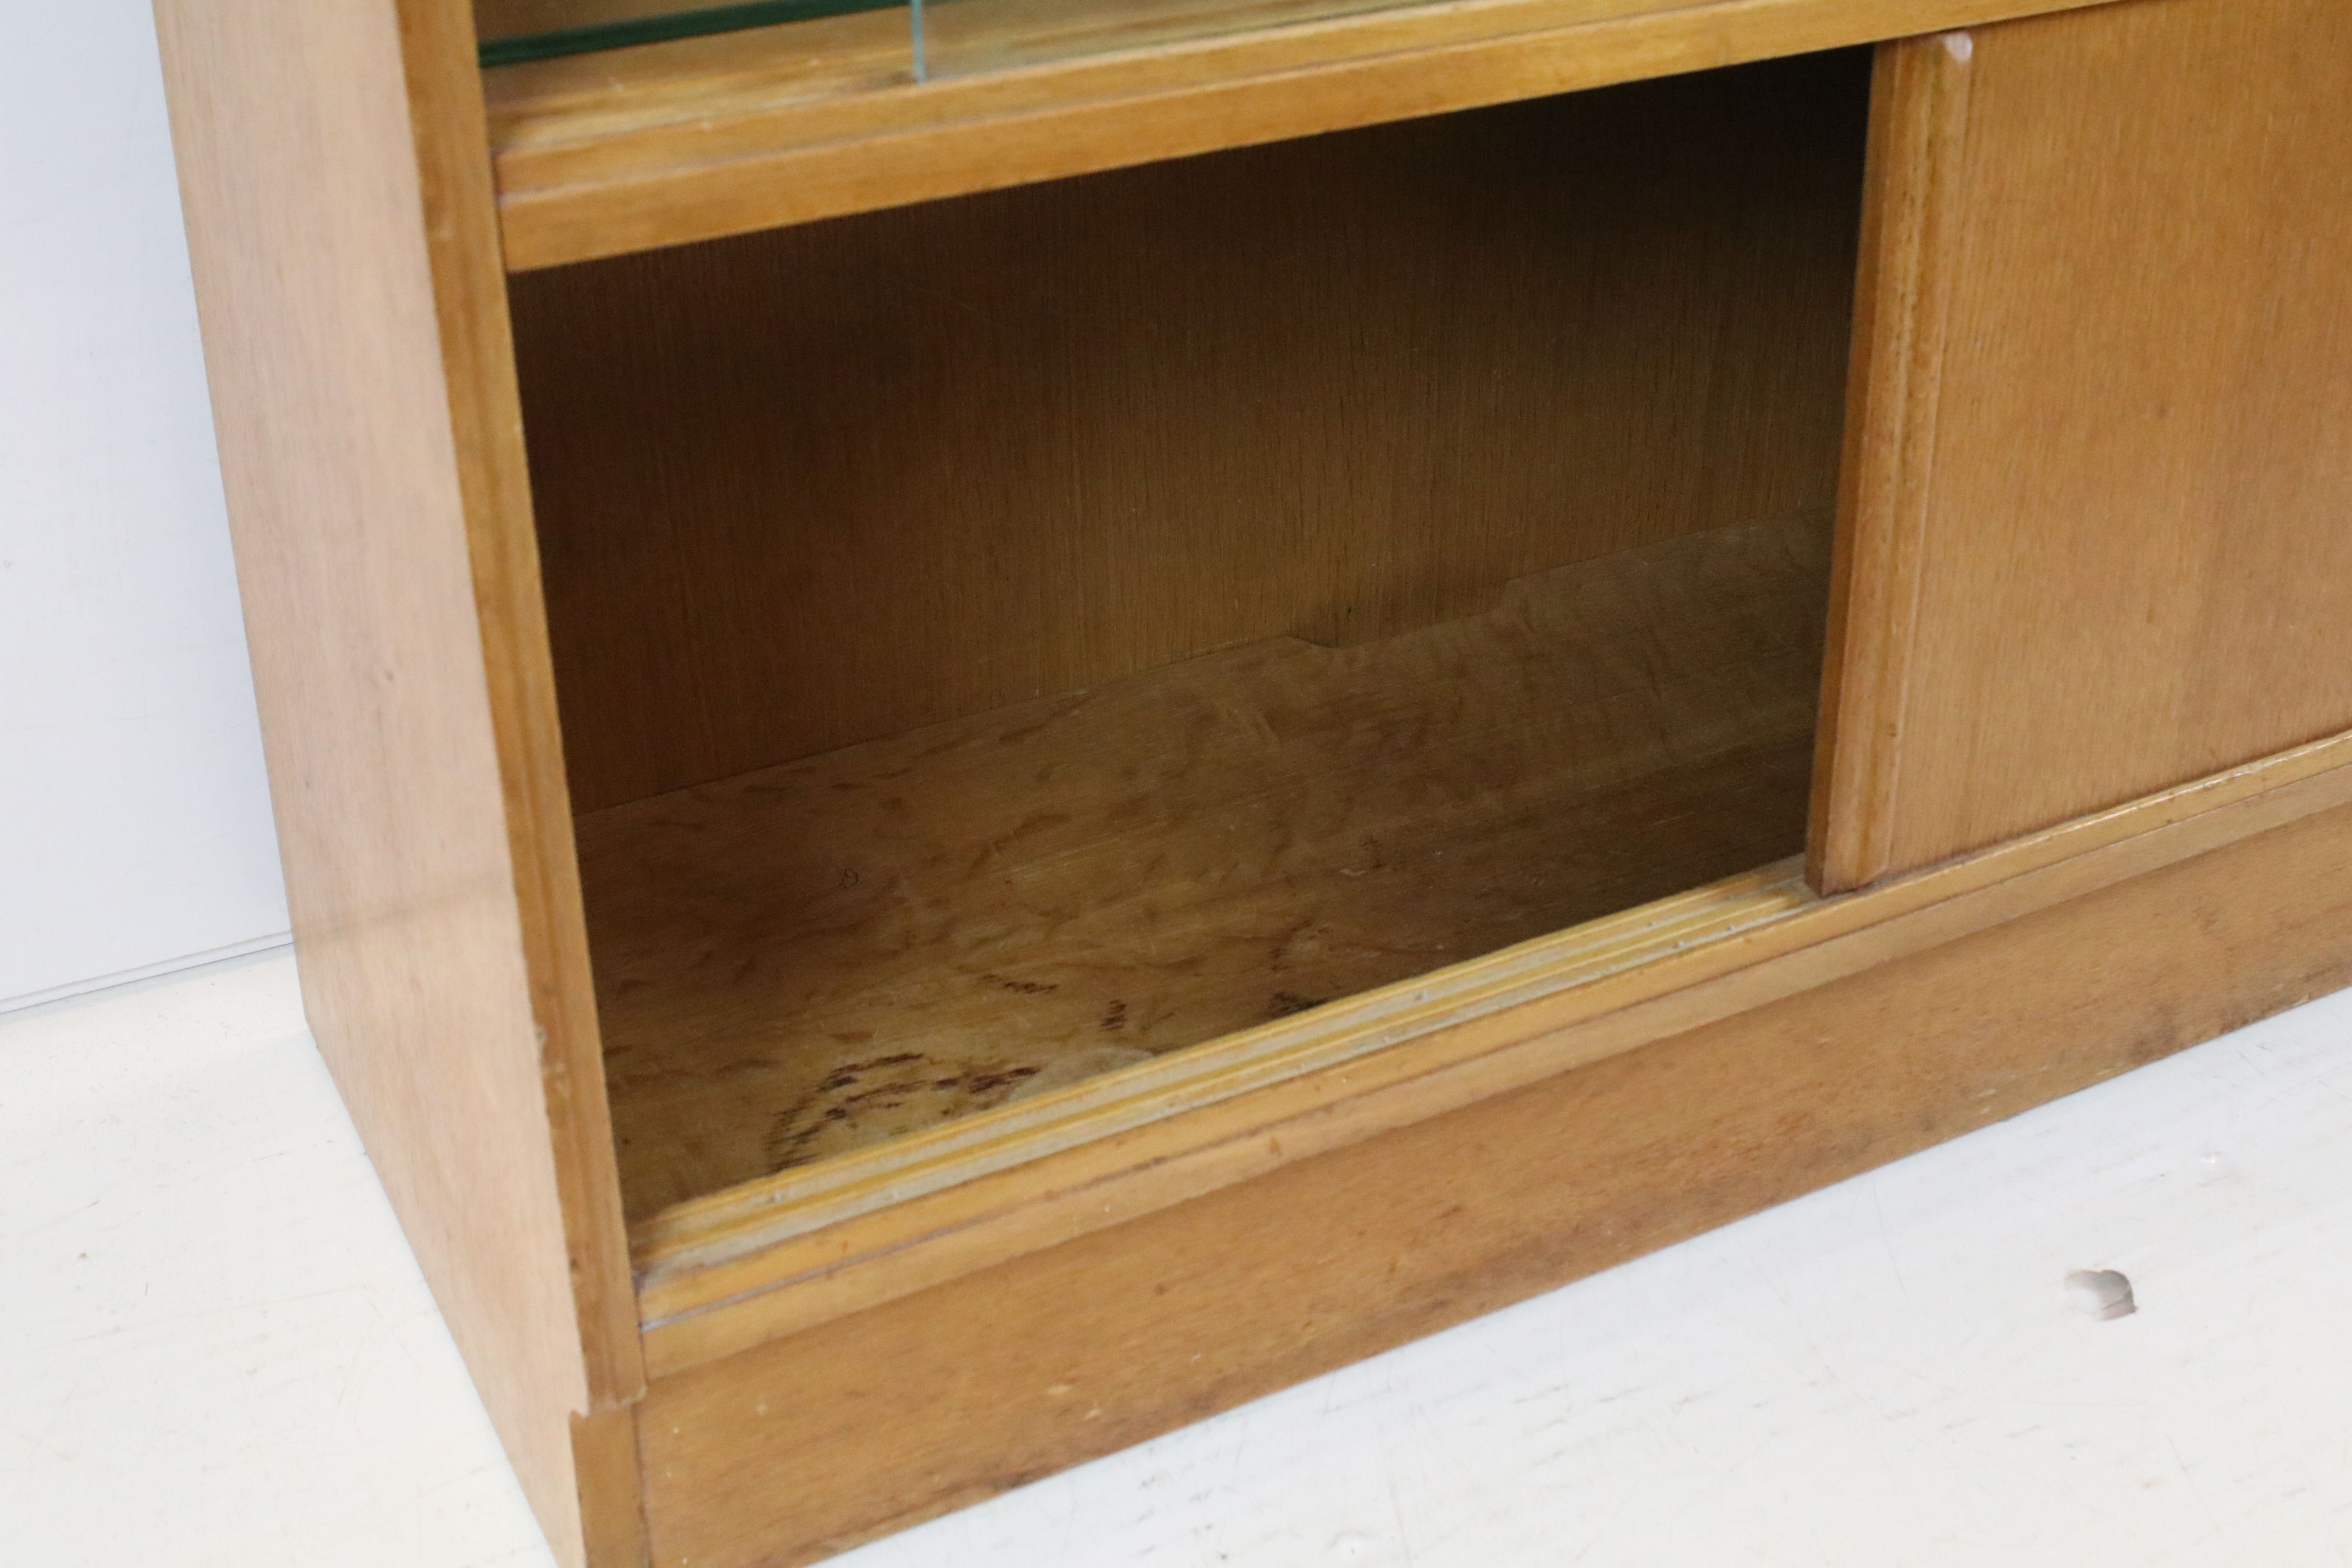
(941, 1399)
(509, 599)
(811, 958)
(344, 248)
(1337, 389)
(612, 1496)
(631, 150)
(1920, 101)
(775, 1258)
(2123, 505)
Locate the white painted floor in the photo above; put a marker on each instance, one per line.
(215, 1350)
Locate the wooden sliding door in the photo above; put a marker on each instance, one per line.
(2097, 532)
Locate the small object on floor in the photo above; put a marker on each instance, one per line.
(2101, 1293)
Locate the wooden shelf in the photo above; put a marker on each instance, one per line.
(812, 958)
(630, 150)
(1084, 448)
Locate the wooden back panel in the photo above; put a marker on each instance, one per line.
(365, 408)
(2098, 533)
(804, 488)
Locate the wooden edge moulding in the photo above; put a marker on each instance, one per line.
(709, 137)
(719, 1274)
(2080, 789)
(895, 1411)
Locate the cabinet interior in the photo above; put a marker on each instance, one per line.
(1008, 639)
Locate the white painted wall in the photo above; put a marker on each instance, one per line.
(134, 822)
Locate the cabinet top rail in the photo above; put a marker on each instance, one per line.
(625, 150)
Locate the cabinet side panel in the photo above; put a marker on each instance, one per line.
(323, 237)
(809, 1444)
(2120, 519)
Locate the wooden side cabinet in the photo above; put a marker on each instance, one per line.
(984, 746)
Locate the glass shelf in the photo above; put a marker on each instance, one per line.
(513, 31)
(631, 125)
(942, 37)
(970, 37)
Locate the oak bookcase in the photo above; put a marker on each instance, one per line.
(971, 765)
